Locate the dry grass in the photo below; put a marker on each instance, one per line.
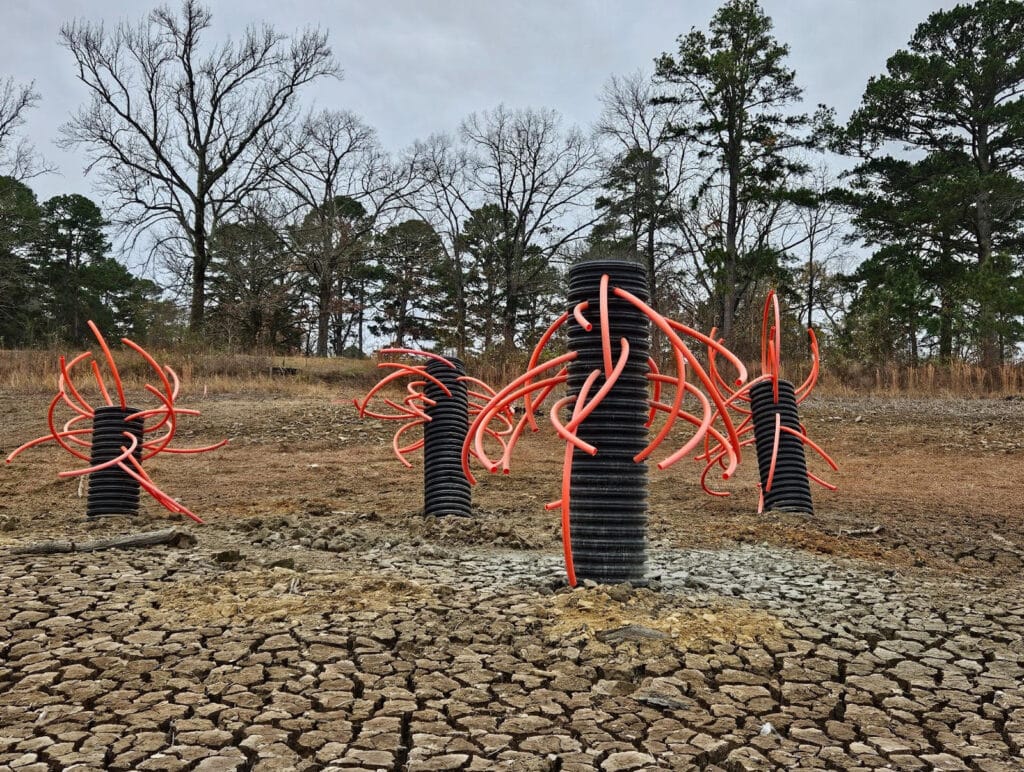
(957, 379)
(205, 373)
(222, 373)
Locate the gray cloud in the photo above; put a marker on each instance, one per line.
(414, 67)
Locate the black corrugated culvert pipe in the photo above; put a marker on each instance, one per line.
(608, 491)
(791, 490)
(445, 487)
(112, 491)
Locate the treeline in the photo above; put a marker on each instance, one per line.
(299, 232)
(56, 273)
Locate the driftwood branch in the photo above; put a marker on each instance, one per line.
(173, 536)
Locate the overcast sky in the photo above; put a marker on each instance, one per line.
(414, 67)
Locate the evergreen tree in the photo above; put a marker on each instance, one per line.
(408, 256)
(330, 247)
(20, 222)
(956, 93)
(251, 287)
(737, 84)
(71, 250)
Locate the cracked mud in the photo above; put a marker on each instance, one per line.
(320, 623)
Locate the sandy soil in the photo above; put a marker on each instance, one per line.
(942, 479)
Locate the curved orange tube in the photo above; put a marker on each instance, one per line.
(99, 382)
(665, 327)
(570, 568)
(420, 371)
(821, 482)
(110, 361)
(653, 376)
(40, 440)
(804, 390)
(376, 387)
(125, 452)
(150, 487)
(204, 449)
(171, 419)
(475, 435)
(775, 453)
(56, 435)
(704, 425)
(565, 432)
(535, 357)
(65, 371)
(581, 320)
(607, 386)
(168, 390)
(551, 385)
(734, 360)
(484, 416)
(606, 337)
(769, 301)
(400, 452)
(677, 402)
(808, 441)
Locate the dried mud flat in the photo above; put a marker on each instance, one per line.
(321, 623)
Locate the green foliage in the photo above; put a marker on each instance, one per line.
(20, 222)
(331, 246)
(954, 94)
(502, 275)
(735, 80)
(56, 273)
(251, 290)
(409, 257)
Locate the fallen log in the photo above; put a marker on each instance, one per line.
(176, 537)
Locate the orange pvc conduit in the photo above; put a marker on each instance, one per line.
(535, 358)
(665, 327)
(110, 361)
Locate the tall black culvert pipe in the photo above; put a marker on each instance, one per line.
(445, 487)
(112, 491)
(791, 490)
(608, 491)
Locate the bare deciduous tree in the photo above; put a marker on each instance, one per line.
(177, 129)
(18, 157)
(542, 180)
(339, 185)
(636, 126)
(443, 200)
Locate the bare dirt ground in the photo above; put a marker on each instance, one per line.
(321, 622)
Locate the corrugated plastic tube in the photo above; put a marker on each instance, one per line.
(112, 491)
(780, 453)
(608, 490)
(446, 490)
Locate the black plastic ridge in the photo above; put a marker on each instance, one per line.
(608, 491)
(112, 491)
(791, 490)
(446, 490)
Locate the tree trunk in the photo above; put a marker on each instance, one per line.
(990, 349)
(323, 321)
(510, 308)
(200, 261)
(459, 279)
(946, 313)
(652, 278)
(729, 297)
(912, 340)
(361, 300)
